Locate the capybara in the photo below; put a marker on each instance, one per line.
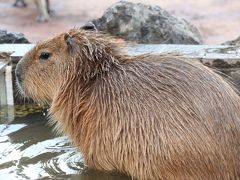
(148, 116)
(43, 8)
(19, 3)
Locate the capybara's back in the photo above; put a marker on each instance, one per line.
(164, 118)
(151, 116)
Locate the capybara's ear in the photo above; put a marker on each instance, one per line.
(89, 27)
(70, 42)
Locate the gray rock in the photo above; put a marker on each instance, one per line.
(235, 42)
(12, 38)
(146, 24)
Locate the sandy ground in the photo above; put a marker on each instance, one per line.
(217, 20)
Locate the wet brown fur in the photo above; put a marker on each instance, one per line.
(151, 116)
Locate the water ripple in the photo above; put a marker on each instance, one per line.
(29, 150)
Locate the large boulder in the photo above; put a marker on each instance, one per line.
(12, 38)
(146, 24)
(235, 42)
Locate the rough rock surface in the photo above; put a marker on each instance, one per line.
(146, 24)
(12, 38)
(235, 42)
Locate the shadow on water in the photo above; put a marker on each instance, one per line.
(30, 150)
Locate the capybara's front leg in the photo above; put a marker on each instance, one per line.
(42, 8)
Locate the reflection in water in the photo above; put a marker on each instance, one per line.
(29, 150)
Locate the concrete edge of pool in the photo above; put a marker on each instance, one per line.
(218, 56)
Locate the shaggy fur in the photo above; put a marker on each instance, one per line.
(151, 116)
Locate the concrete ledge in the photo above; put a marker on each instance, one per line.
(16, 50)
(4, 60)
(220, 56)
(191, 51)
(3, 64)
(225, 58)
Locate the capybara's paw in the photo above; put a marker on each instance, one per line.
(42, 19)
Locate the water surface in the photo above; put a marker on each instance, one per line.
(30, 150)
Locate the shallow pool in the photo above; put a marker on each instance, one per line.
(30, 150)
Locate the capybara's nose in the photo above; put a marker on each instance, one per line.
(18, 73)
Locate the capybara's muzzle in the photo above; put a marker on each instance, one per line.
(19, 73)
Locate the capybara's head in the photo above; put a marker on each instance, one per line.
(77, 54)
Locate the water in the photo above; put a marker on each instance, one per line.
(30, 150)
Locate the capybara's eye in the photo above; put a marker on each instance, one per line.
(45, 55)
